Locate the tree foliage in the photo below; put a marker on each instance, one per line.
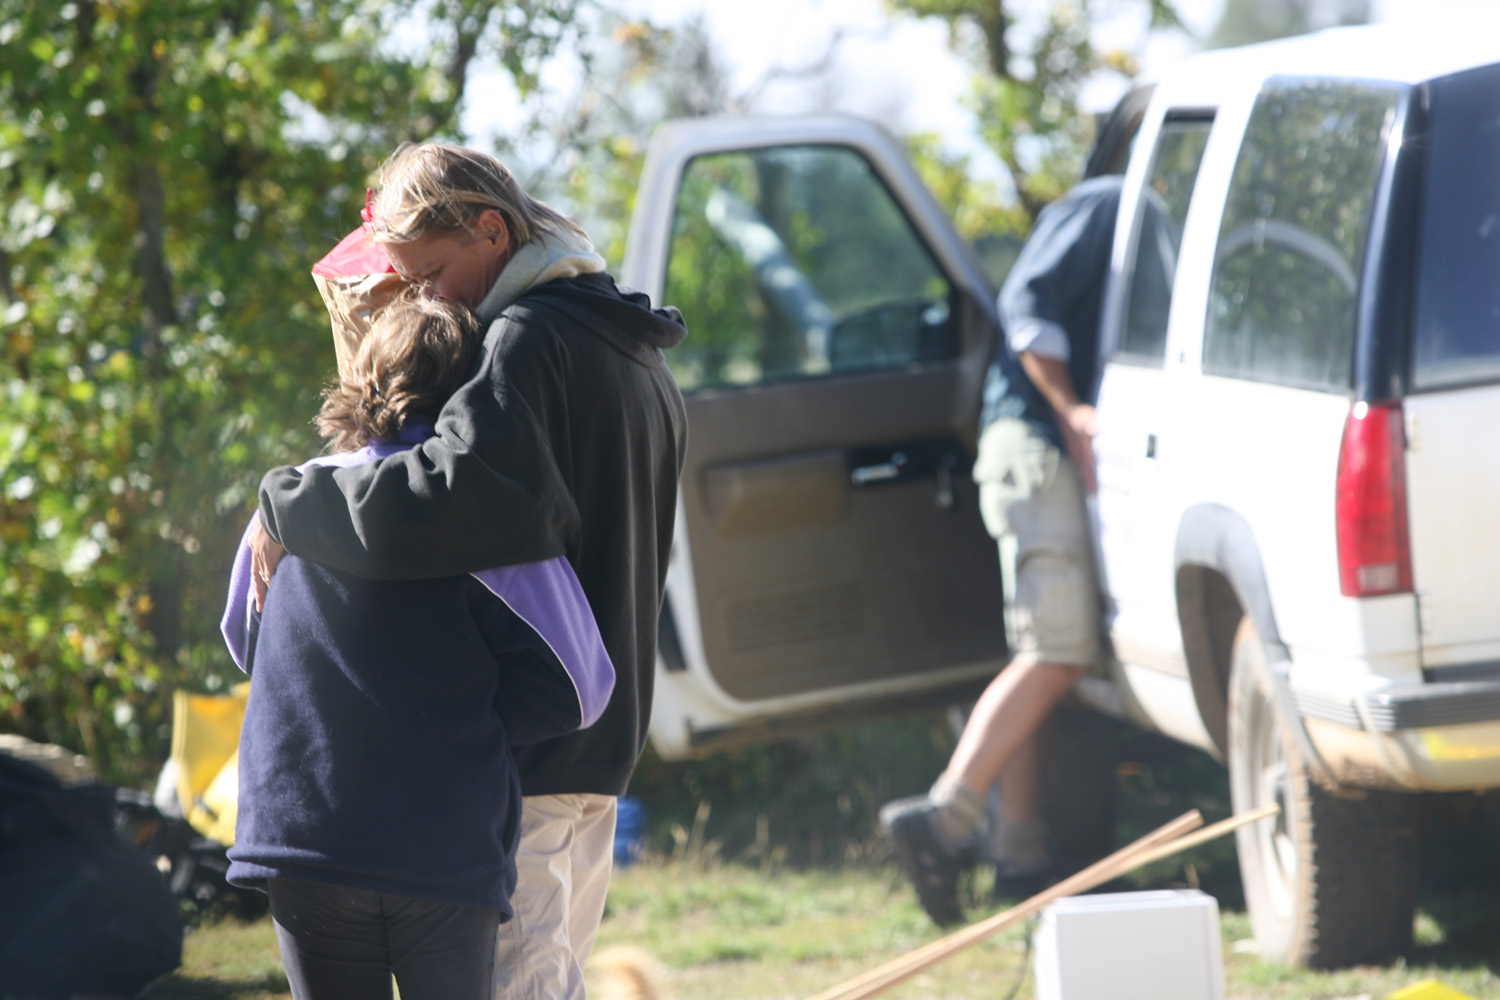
(1027, 91)
(171, 169)
(1246, 21)
(595, 143)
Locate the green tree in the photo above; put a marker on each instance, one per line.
(592, 147)
(1246, 21)
(169, 170)
(1026, 94)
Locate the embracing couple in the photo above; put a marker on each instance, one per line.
(434, 615)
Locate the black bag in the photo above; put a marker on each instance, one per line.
(81, 910)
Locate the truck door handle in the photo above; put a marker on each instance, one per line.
(879, 472)
(946, 498)
(872, 468)
(1150, 445)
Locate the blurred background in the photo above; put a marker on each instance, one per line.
(170, 170)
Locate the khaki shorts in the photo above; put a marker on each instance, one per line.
(1033, 505)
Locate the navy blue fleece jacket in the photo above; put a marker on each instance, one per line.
(375, 751)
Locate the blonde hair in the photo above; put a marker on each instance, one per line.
(432, 188)
(417, 353)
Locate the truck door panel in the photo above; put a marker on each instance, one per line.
(839, 332)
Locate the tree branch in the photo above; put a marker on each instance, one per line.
(818, 67)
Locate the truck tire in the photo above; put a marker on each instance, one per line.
(1332, 881)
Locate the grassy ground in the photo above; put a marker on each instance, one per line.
(754, 928)
(730, 932)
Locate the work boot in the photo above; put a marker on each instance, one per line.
(926, 858)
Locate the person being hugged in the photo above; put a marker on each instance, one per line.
(379, 803)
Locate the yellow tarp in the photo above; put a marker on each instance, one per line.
(205, 748)
(1428, 989)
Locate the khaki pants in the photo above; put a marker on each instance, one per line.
(563, 866)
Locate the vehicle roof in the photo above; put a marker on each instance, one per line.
(1399, 53)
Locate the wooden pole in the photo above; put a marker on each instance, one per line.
(1160, 843)
(908, 965)
(1204, 835)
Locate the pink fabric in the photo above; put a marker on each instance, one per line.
(356, 254)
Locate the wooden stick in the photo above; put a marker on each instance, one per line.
(881, 978)
(1143, 852)
(1206, 834)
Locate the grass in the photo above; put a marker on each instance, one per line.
(755, 928)
(226, 960)
(732, 932)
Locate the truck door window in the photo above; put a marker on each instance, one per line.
(796, 263)
(1458, 288)
(1292, 244)
(1153, 257)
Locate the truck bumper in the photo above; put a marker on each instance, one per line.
(1441, 736)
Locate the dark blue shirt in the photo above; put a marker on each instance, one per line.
(1052, 301)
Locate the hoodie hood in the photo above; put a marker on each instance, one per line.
(564, 271)
(621, 316)
(552, 255)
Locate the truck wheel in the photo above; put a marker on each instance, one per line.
(1332, 880)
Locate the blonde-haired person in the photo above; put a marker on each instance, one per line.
(379, 804)
(568, 441)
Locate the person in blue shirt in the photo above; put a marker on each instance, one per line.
(379, 802)
(1035, 469)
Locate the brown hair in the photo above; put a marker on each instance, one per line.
(417, 353)
(432, 188)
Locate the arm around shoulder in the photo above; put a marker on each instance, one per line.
(484, 491)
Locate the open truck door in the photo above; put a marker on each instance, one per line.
(829, 559)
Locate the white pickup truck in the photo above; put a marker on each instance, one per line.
(1298, 471)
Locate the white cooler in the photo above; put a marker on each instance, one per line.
(1158, 945)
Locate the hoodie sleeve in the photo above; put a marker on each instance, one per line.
(486, 490)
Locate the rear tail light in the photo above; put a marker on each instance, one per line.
(1374, 551)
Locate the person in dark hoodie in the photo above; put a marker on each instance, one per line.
(379, 804)
(568, 441)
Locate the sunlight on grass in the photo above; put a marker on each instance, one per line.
(799, 933)
(1428, 932)
(223, 960)
(726, 932)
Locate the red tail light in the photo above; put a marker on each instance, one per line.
(1374, 551)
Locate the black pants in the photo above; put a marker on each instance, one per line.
(345, 944)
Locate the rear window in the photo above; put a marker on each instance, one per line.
(1458, 284)
(1286, 271)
